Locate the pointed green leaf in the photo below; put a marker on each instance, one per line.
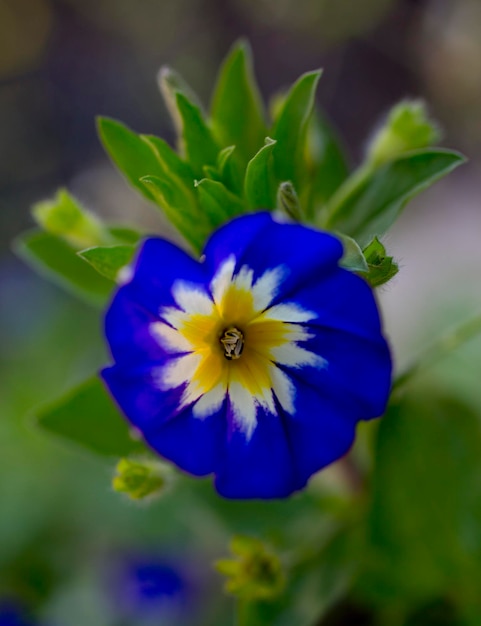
(198, 144)
(172, 163)
(124, 234)
(381, 267)
(55, 259)
(353, 259)
(230, 172)
(291, 126)
(217, 202)
(367, 206)
(325, 164)
(88, 417)
(133, 156)
(237, 112)
(108, 260)
(170, 84)
(180, 210)
(260, 185)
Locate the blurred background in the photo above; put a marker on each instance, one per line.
(62, 62)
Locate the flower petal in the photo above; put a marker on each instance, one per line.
(257, 467)
(343, 301)
(261, 243)
(159, 265)
(129, 328)
(141, 397)
(354, 367)
(193, 440)
(321, 431)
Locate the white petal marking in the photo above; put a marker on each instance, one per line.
(222, 279)
(210, 402)
(178, 371)
(266, 287)
(169, 338)
(192, 299)
(290, 312)
(244, 408)
(294, 356)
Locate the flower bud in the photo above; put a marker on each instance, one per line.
(255, 573)
(407, 128)
(140, 478)
(64, 217)
(288, 201)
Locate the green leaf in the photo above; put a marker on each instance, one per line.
(180, 209)
(217, 202)
(237, 113)
(424, 539)
(54, 258)
(291, 126)
(353, 259)
(133, 156)
(171, 162)
(260, 186)
(64, 217)
(198, 145)
(231, 174)
(170, 84)
(381, 268)
(370, 201)
(124, 234)
(88, 416)
(325, 164)
(108, 260)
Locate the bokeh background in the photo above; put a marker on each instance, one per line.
(62, 62)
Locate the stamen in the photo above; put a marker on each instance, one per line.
(233, 343)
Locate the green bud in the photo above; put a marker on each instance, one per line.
(288, 201)
(407, 128)
(140, 478)
(255, 573)
(64, 217)
(381, 267)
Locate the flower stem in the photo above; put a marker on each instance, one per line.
(244, 610)
(440, 348)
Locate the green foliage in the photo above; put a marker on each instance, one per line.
(381, 267)
(54, 258)
(423, 539)
(415, 541)
(288, 201)
(290, 128)
(369, 202)
(134, 158)
(237, 115)
(353, 257)
(407, 128)
(88, 417)
(64, 217)
(260, 183)
(108, 260)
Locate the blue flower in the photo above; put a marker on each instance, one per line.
(150, 589)
(254, 364)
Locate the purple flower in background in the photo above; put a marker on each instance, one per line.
(148, 589)
(254, 364)
(13, 613)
